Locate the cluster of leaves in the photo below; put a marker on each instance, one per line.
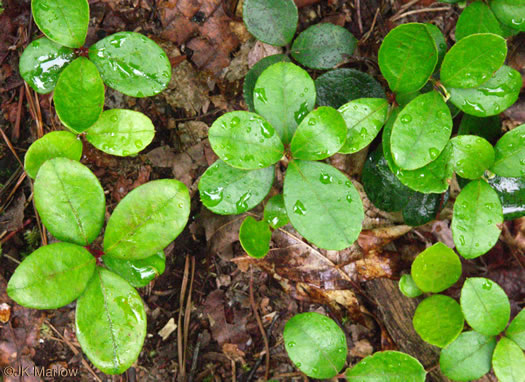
(126, 61)
(110, 315)
(439, 319)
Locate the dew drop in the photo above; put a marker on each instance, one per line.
(114, 118)
(235, 121)
(433, 152)
(312, 122)
(260, 94)
(325, 178)
(266, 130)
(406, 118)
(299, 208)
(291, 344)
(487, 285)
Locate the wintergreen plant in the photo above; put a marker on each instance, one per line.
(110, 315)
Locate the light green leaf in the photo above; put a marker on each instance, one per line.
(439, 40)
(477, 18)
(508, 361)
(138, 273)
(516, 329)
(510, 154)
(271, 21)
(408, 287)
(510, 13)
(391, 366)
(255, 237)
(472, 156)
(275, 212)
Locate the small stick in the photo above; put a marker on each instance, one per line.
(15, 134)
(180, 338)
(416, 11)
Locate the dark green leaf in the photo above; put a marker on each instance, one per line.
(508, 361)
(516, 329)
(510, 154)
(477, 18)
(275, 212)
(255, 237)
(488, 128)
(271, 21)
(408, 287)
(472, 156)
(138, 273)
(391, 366)
(52, 276)
(404, 99)
(439, 40)
(511, 193)
(423, 208)
(510, 13)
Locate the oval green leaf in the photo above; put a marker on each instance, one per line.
(477, 18)
(42, 62)
(132, 64)
(511, 193)
(320, 135)
(110, 322)
(315, 344)
(275, 212)
(423, 208)
(408, 287)
(121, 132)
(391, 366)
(485, 305)
(477, 214)
(438, 320)
(284, 94)
(255, 237)
(472, 156)
(322, 204)
(138, 273)
(323, 46)
(63, 21)
(510, 13)
(510, 154)
(79, 95)
(52, 145)
(69, 200)
(488, 128)
(52, 276)
(516, 329)
(508, 361)
(407, 57)
(147, 219)
(440, 41)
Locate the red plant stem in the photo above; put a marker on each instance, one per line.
(13, 233)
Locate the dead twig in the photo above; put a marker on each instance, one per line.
(416, 11)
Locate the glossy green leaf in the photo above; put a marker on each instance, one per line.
(438, 320)
(516, 329)
(508, 361)
(110, 322)
(322, 204)
(253, 74)
(407, 57)
(121, 132)
(52, 145)
(69, 200)
(510, 13)
(42, 62)
(391, 366)
(323, 46)
(52, 276)
(468, 357)
(488, 128)
(510, 154)
(138, 273)
(485, 305)
(147, 219)
(79, 95)
(245, 140)
(275, 212)
(226, 190)
(491, 97)
(132, 64)
(364, 119)
(473, 60)
(423, 208)
(63, 21)
(408, 287)
(320, 135)
(404, 99)
(440, 41)
(421, 131)
(339, 86)
(477, 18)
(255, 237)
(315, 344)
(284, 94)
(471, 155)
(436, 268)
(477, 214)
(511, 193)
(271, 21)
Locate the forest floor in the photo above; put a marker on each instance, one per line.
(202, 312)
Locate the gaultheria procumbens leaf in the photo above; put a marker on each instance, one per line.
(438, 320)
(364, 119)
(473, 60)
(408, 287)
(472, 156)
(407, 57)
(477, 214)
(52, 145)
(439, 40)
(468, 357)
(69, 200)
(121, 132)
(511, 193)
(436, 268)
(322, 204)
(391, 366)
(516, 329)
(284, 93)
(245, 140)
(255, 72)
(147, 219)
(52, 276)
(421, 131)
(320, 134)
(42, 62)
(510, 154)
(510, 13)
(79, 95)
(508, 361)
(491, 97)
(477, 18)
(323, 46)
(138, 273)
(339, 86)
(110, 322)
(226, 190)
(275, 212)
(485, 305)
(488, 128)
(315, 344)
(132, 64)
(271, 21)
(255, 237)
(63, 21)
(423, 208)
